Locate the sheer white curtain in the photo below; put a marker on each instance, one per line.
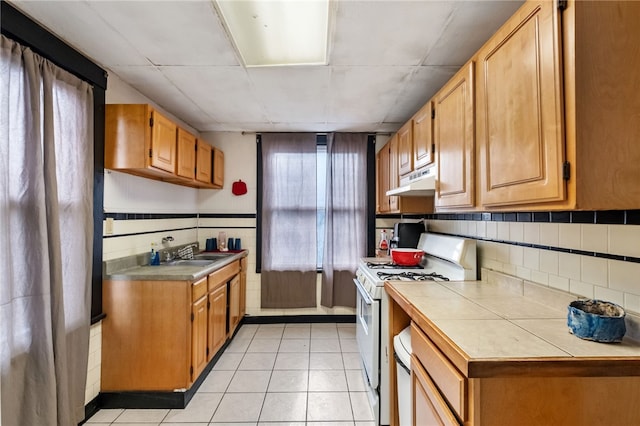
(345, 218)
(46, 197)
(289, 246)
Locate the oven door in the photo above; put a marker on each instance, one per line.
(368, 333)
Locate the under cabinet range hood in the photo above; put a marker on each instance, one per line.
(421, 183)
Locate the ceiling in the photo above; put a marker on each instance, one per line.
(386, 59)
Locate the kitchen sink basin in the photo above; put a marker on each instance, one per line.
(190, 262)
(212, 256)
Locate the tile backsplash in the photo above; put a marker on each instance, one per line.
(585, 259)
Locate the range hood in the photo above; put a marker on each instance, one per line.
(417, 184)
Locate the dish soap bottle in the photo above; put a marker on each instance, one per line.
(155, 256)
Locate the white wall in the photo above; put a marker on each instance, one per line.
(240, 156)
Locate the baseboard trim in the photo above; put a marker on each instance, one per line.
(90, 409)
(299, 319)
(148, 399)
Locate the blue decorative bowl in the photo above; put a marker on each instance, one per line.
(596, 320)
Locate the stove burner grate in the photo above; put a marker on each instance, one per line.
(411, 276)
(390, 265)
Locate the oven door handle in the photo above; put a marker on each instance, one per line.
(367, 299)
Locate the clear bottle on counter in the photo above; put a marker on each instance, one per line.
(383, 245)
(393, 242)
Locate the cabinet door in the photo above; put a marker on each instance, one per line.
(405, 148)
(428, 406)
(243, 286)
(455, 141)
(394, 204)
(186, 154)
(234, 303)
(520, 112)
(163, 143)
(217, 330)
(198, 337)
(203, 169)
(383, 179)
(218, 168)
(422, 137)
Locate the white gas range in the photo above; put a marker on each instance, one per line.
(446, 258)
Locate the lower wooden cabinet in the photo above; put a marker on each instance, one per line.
(449, 388)
(146, 335)
(243, 286)
(217, 313)
(234, 304)
(198, 337)
(160, 335)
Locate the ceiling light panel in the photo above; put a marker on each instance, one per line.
(278, 32)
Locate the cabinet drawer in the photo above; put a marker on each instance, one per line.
(198, 289)
(452, 384)
(223, 274)
(429, 407)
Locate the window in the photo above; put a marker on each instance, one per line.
(321, 181)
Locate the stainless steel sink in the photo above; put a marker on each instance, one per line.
(190, 262)
(212, 256)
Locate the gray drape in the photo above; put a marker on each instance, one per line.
(46, 223)
(289, 212)
(346, 217)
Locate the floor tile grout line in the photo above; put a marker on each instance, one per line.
(254, 336)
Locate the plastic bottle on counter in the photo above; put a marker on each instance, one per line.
(154, 258)
(393, 242)
(384, 243)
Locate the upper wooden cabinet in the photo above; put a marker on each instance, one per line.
(602, 107)
(382, 181)
(218, 168)
(141, 141)
(405, 148)
(204, 163)
(423, 145)
(520, 114)
(393, 172)
(454, 136)
(558, 109)
(387, 178)
(186, 154)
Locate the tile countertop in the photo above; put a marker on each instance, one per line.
(487, 330)
(164, 272)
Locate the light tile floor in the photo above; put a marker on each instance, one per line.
(272, 375)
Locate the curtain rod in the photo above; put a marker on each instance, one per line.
(318, 133)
